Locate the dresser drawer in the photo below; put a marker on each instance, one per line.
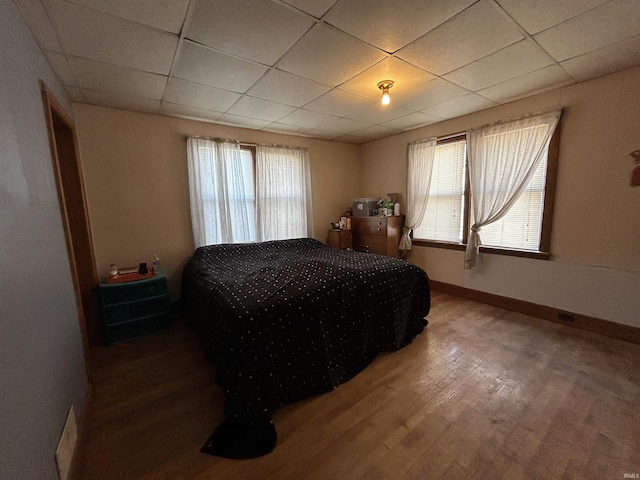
(371, 225)
(370, 243)
(377, 234)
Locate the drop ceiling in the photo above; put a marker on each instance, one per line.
(310, 67)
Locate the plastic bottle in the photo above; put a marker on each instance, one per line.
(156, 264)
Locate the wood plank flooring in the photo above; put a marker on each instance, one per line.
(481, 393)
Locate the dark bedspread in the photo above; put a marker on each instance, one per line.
(285, 320)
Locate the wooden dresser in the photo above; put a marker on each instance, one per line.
(377, 234)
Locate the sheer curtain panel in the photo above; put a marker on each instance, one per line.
(220, 194)
(283, 193)
(502, 159)
(420, 157)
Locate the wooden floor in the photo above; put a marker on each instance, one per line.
(482, 393)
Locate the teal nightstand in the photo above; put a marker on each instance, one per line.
(134, 309)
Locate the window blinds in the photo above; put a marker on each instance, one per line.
(520, 228)
(444, 215)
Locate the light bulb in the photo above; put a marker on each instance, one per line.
(384, 86)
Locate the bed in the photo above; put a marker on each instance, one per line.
(286, 320)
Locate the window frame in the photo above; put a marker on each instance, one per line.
(544, 251)
(252, 149)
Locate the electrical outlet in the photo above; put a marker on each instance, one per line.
(67, 445)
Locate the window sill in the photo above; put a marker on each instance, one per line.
(516, 253)
(484, 249)
(436, 244)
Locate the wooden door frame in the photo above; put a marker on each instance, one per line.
(89, 281)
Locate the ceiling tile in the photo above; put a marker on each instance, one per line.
(460, 106)
(60, 65)
(286, 88)
(116, 79)
(378, 113)
(352, 139)
(342, 126)
(392, 25)
(287, 129)
(121, 101)
(612, 58)
(376, 131)
(38, 22)
(406, 78)
(473, 34)
(434, 92)
(513, 61)
(196, 95)
(201, 64)
(339, 103)
(260, 109)
(597, 28)
(329, 56)
(552, 76)
(542, 14)
(240, 121)
(166, 15)
(411, 121)
(192, 113)
(316, 8)
(98, 36)
(306, 118)
(322, 135)
(246, 28)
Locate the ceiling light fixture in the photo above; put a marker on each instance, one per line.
(385, 85)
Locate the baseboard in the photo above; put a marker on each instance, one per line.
(570, 319)
(82, 435)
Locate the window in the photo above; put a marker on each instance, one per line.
(233, 191)
(283, 193)
(525, 228)
(243, 194)
(521, 227)
(444, 216)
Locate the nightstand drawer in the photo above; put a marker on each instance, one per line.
(125, 311)
(340, 239)
(125, 292)
(137, 328)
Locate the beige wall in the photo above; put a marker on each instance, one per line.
(595, 268)
(136, 183)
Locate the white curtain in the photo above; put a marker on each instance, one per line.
(218, 192)
(283, 193)
(502, 158)
(420, 157)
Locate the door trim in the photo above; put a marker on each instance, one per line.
(85, 279)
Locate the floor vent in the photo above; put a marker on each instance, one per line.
(67, 445)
